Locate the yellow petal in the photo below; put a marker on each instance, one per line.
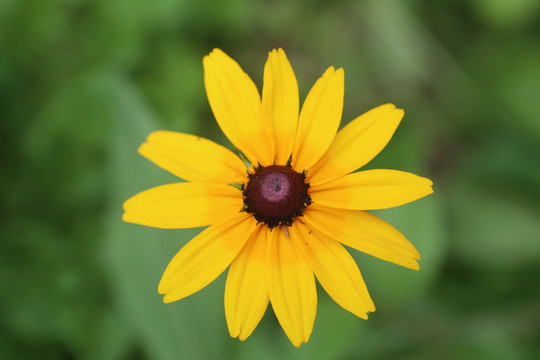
(364, 232)
(236, 104)
(319, 119)
(357, 143)
(201, 260)
(334, 268)
(193, 158)
(291, 287)
(371, 190)
(246, 293)
(182, 205)
(280, 104)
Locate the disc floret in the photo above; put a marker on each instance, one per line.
(276, 195)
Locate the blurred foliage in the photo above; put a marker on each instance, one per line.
(82, 82)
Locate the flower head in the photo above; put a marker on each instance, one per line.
(285, 216)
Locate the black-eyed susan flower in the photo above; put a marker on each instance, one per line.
(285, 216)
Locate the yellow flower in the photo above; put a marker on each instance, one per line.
(285, 217)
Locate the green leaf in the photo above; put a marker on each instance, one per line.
(193, 328)
(494, 230)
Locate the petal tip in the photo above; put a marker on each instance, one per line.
(212, 55)
(242, 337)
(296, 343)
(389, 106)
(399, 112)
(141, 150)
(329, 72)
(216, 51)
(168, 298)
(429, 185)
(392, 111)
(157, 133)
(362, 315)
(417, 255)
(162, 289)
(132, 203)
(413, 265)
(235, 332)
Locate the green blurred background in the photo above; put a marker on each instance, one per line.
(83, 82)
